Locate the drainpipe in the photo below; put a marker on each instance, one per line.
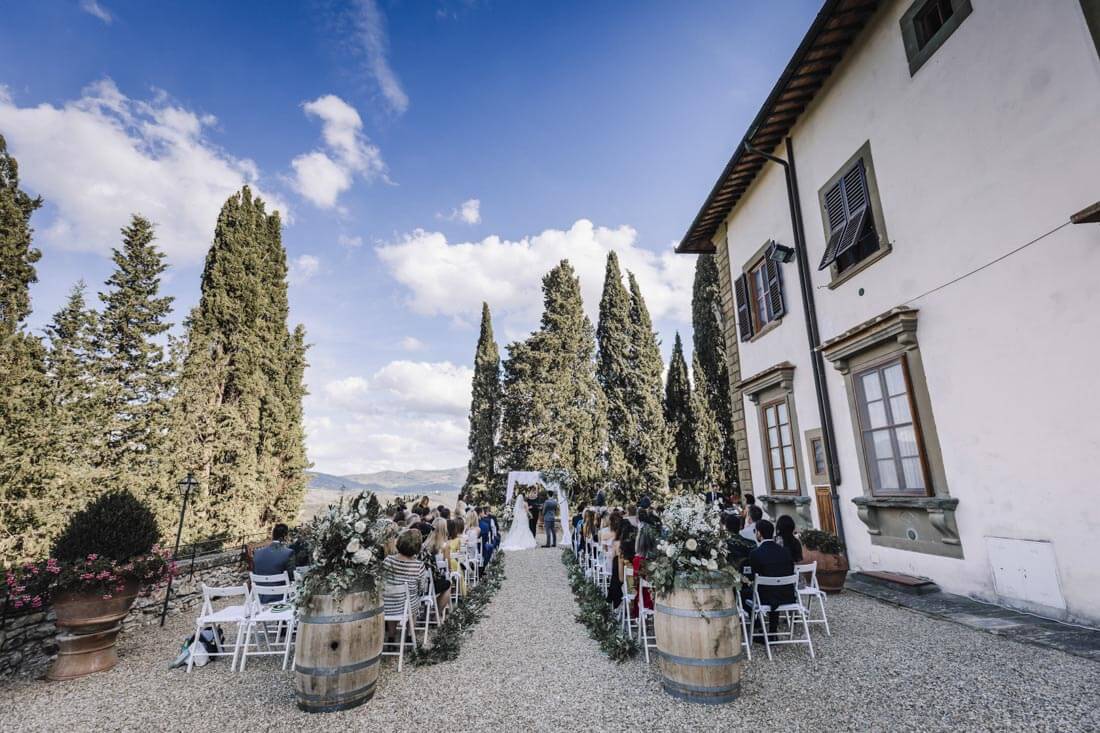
(817, 362)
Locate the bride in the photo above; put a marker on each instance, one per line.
(519, 536)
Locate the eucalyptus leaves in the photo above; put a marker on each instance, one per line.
(692, 547)
(596, 613)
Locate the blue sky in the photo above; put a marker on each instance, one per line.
(425, 155)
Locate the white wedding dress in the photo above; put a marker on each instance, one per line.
(519, 536)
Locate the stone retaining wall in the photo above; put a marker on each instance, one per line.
(27, 643)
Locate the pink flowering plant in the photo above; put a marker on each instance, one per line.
(109, 545)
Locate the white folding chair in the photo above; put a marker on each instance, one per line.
(209, 618)
(628, 600)
(430, 614)
(397, 596)
(794, 611)
(452, 575)
(269, 606)
(645, 615)
(808, 590)
(746, 620)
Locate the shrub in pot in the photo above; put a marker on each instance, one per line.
(105, 556)
(827, 550)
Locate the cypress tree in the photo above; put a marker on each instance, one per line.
(521, 414)
(134, 375)
(614, 364)
(650, 454)
(24, 400)
(678, 416)
(710, 346)
(485, 417)
(704, 432)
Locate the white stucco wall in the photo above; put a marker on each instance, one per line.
(994, 141)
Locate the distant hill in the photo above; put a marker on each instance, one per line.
(411, 482)
(329, 482)
(325, 488)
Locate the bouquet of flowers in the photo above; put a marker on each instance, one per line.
(31, 585)
(692, 547)
(348, 548)
(506, 516)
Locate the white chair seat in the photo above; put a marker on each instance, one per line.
(229, 614)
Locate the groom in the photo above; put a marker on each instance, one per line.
(550, 521)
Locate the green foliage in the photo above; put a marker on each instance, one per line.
(705, 434)
(710, 346)
(678, 416)
(460, 620)
(821, 541)
(651, 453)
(596, 615)
(116, 525)
(485, 417)
(348, 547)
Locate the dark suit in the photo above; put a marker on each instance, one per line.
(769, 560)
(535, 505)
(487, 546)
(550, 521)
(271, 560)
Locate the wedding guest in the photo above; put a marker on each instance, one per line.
(404, 567)
(460, 508)
(591, 525)
(454, 530)
(737, 546)
(473, 531)
(274, 559)
(750, 501)
(604, 534)
(601, 498)
(414, 519)
(756, 514)
(645, 546)
(784, 537)
(425, 503)
(488, 542)
(443, 511)
(438, 545)
(400, 516)
(769, 560)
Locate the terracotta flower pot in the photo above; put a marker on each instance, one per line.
(831, 569)
(88, 625)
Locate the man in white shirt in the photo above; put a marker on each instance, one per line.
(755, 515)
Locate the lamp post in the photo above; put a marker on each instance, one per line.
(185, 486)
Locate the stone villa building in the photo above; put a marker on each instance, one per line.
(908, 238)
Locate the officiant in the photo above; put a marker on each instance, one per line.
(535, 505)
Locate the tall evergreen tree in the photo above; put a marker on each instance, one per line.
(522, 416)
(710, 346)
(704, 433)
(614, 366)
(24, 400)
(651, 452)
(134, 375)
(485, 416)
(678, 416)
(237, 417)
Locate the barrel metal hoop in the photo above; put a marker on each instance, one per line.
(681, 687)
(696, 662)
(705, 700)
(341, 618)
(341, 697)
(334, 671)
(692, 613)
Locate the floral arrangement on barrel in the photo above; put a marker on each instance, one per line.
(692, 548)
(348, 549)
(107, 554)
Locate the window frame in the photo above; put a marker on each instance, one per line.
(746, 287)
(816, 438)
(870, 458)
(838, 276)
(786, 489)
(918, 54)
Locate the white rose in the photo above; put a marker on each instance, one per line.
(714, 553)
(670, 550)
(353, 546)
(712, 564)
(691, 544)
(360, 527)
(362, 557)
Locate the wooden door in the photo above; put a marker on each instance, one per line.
(825, 517)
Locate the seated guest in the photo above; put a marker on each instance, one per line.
(404, 567)
(424, 526)
(784, 537)
(400, 517)
(455, 528)
(737, 546)
(601, 498)
(591, 525)
(750, 501)
(443, 511)
(756, 514)
(769, 560)
(438, 545)
(274, 559)
(645, 546)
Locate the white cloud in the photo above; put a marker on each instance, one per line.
(303, 267)
(372, 41)
(411, 343)
(453, 279)
(469, 212)
(94, 8)
(322, 175)
(104, 156)
(348, 241)
(406, 415)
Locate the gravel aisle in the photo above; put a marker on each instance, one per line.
(529, 666)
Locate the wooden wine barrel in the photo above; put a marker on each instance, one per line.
(338, 651)
(699, 643)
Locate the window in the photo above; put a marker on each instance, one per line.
(927, 24)
(817, 455)
(782, 473)
(759, 293)
(851, 223)
(891, 443)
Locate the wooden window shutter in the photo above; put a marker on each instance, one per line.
(774, 274)
(744, 311)
(847, 203)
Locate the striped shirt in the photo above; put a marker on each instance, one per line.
(413, 574)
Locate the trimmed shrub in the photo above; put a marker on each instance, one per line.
(115, 525)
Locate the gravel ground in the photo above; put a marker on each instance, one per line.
(529, 667)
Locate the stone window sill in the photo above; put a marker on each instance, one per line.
(839, 279)
(801, 505)
(768, 328)
(940, 510)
